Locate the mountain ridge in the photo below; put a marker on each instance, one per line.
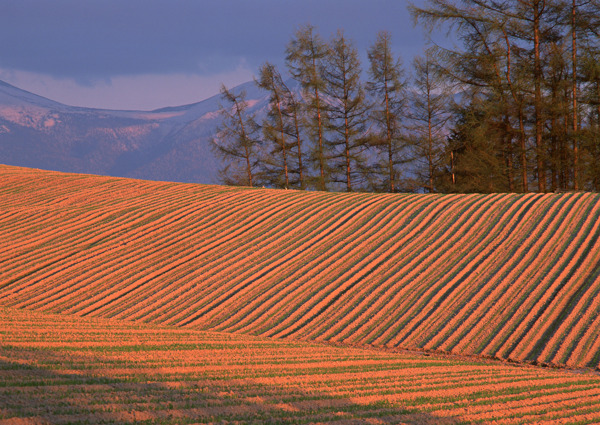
(167, 144)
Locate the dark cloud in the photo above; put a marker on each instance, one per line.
(95, 40)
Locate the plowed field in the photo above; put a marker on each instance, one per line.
(58, 369)
(508, 275)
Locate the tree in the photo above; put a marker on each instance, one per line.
(304, 56)
(274, 126)
(526, 26)
(536, 9)
(388, 92)
(347, 111)
(477, 162)
(430, 101)
(485, 66)
(583, 24)
(532, 23)
(574, 28)
(292, 108)
(589, 66)
(236, 140)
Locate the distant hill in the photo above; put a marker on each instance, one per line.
(170, 144)
(510, 276)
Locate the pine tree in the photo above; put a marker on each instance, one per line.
(527, 26)
(582, 20)
(475, 142)
(557, 85)
(589, 68)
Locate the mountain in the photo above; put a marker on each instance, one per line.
(170, 144)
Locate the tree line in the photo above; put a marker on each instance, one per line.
(514, 108)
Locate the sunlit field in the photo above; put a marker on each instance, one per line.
(127, 300)
(66, 369)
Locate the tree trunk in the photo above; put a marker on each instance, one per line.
(555, 153)
(452, 168)
(348, 182)
(389, 139)
(519, 104)
(284, 153)
(320, 134)
(247, 152)
(508, 146)
(537, 77)
(524, 183)
(575, 122)
(299, 143)
(430, 148)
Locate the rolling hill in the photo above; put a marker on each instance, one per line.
(60, 369)
(166, 144)
(509, 276)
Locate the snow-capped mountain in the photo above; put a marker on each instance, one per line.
(169, 144)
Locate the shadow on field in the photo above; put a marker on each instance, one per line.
(40, 386)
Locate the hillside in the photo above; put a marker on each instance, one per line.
(166, 144)
(58, 369)
(509, 276)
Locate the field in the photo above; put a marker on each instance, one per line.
(316, 291)
(65, 369)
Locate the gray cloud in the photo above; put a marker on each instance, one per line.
(96, 40)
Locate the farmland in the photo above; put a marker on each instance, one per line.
(507, 276)
(66, 369)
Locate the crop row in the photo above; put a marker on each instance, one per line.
(512, 276)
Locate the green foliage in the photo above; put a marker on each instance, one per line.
(477, 166)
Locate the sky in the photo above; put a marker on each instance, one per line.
(148, 54)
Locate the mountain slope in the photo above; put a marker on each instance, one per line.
(169, 144)
(507, 275)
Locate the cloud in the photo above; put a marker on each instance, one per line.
(88, 40)
(101, 53)
(132, 92)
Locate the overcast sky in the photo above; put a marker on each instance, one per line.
(146, 54)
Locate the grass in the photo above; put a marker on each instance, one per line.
(88, 370)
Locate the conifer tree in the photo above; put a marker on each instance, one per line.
(305, 54)
(589, 66)
(574, 30)
(430, 101)
(582, 21)
(292, 109)
(274, 127)
(387, 89)
(347, 112)
(527, 27)
(485, 66)
(236, 140)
